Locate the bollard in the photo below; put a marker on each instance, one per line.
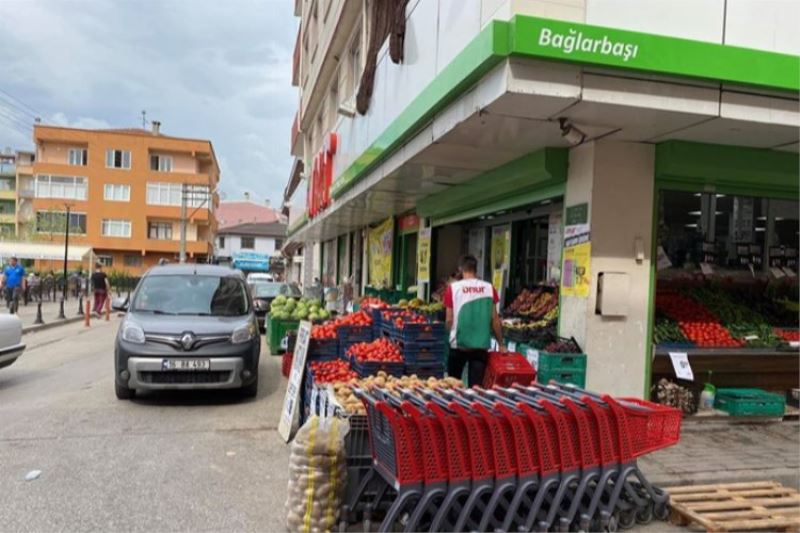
(61, 315)
(38, 320)
(108, 308)
(87, 315)
(80, 305)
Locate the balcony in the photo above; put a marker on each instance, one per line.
(8, 218)
(173, 246)
(8, 194)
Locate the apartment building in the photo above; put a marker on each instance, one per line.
(578, 143)
(124, 190)
(15, 193)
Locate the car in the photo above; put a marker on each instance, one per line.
(11, 346)
(264, 292)
(259, 276)
(187, 326)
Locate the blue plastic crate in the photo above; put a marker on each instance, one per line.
(426, 370)
(372, 368)
(351, 334)
(417, 332)
(323, 349)
(424, 352)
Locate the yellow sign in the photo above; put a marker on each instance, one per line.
(575, 275)
(424, 255)
(501, 254)
(381, 241)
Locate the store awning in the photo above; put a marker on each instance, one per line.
(44, 251)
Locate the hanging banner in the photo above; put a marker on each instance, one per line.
(381, 240)
(424, 255)
(554, 245)
(575, 276)
(501, 255)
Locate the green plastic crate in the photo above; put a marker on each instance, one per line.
(276, 331)
(562, 362)
(575, 377)
(749, 402)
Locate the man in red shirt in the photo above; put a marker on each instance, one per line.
(472, 319)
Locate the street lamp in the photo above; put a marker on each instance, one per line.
(66, 250)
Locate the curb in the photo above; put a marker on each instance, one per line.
(48, 325)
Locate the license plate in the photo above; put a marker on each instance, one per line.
(185, 364)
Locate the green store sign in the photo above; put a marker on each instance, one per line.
(567, 41)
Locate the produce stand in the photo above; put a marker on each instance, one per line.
(276, 331)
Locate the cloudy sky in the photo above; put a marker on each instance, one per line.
(218, 70)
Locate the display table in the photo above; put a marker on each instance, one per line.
(735, 367)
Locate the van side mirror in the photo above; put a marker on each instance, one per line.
(120, 304)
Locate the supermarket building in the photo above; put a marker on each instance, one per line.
(572, 142)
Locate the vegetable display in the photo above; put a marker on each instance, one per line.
(539, 303)
(331, 371)
(361, 318)
(667, 331)
(380, 350)
(323, 331)
(696, 322)
(343, 391)
(563, 346)
(283, 308)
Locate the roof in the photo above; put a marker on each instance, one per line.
(203, 269)
(271, 229)
(235, 213)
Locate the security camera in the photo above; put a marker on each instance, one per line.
(572, 134)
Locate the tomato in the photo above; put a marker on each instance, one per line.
(376, 351)
(698, 324)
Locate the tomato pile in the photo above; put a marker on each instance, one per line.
(405, 317)
(380, 350)
(361, 318)
(788, 335)
(324, 331)
(698, 324)
(331, 371)
(370, 301)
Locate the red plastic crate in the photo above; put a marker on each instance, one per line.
(505, 369)
(286, 364)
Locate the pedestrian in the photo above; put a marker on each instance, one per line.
(101, 287)
(471, 318)
(14, 283)
(35, 287)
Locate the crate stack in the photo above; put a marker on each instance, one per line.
(423, 347)
(350, 335)
(323, 349)
(562, 367)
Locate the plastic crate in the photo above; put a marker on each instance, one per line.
(423, 352)
(749, 402)
(417, 332)
(372, 368)
(323, 349)
(576, 377)
(426, 370)
(506, 369)
(352, 334)
(561, 362)
(286, 364)
(276, 331)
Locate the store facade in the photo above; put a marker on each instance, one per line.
(557, 163)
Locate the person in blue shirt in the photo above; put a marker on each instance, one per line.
(13, 283)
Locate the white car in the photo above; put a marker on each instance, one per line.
(257, 276)
(11, 346)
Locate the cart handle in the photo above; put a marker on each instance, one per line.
(561, 394)
(436, 399)
(536, 394)
(456, 398)
(523, 398)
(478, 398)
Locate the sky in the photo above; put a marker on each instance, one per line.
(209, 69)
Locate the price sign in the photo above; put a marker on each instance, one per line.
(777, 272)
(680, 363)
(751, 337)
(706, 269)
(290, 414)
(532, 356)
(512, 346)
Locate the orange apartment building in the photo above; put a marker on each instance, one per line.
(124, 189)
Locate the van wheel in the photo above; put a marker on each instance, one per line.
(250, 391)
(123, 393)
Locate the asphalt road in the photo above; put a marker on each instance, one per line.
(163, 462)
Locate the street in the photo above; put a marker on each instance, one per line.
(163, 462)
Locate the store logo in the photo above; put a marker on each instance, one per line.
(575, 41)
(473, 290)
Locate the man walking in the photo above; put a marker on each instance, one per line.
(472, 318)
(13, 283)
(101, 288)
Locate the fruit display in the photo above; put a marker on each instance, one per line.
(696, 322)
(343, 391)
(536, 333)
(323, 331)
(414, 303)
(360, 318)
(743, 322)
(405, 317)
(380, 350)
(371, 301)
(431, 308)
(788, 335)
(537, 303)
(563, 346)
(283, 308)
(331, 371)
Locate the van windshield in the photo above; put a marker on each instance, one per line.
(190, 294)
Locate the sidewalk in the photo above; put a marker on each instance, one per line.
(49, 312)
(725, 452)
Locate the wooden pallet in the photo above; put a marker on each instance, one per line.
(736, 506)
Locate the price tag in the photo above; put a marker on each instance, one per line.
(777, 272)
(512, 346)
(532, 356)
(706, 269)
(789, 272)
(751, 337)
(680, 363)
(794, 344)
(752, 271)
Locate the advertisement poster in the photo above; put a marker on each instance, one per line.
(501, 255)
(424, 255)
(381, 240)
(554, 245)
(576, 276)
(290, 413)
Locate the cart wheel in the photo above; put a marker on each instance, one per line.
(645, 514)
(613, 524)
(627, 519)
(661, 511)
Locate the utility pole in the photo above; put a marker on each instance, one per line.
(184, 200)
(66, 250)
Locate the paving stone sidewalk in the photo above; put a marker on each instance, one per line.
(27, 313)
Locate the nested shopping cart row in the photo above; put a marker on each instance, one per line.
(525, 458)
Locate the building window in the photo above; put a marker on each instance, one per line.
(132, 260)
(161, 163)
(116, 193)
(248, 243)
(278, 244)
(78, 156)
(222, 242)
(170, 194)
(355, 63)
(105, 260)
(118, 159)
(159, 230)
(55, 222)
(116, 228)
(67, 187)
